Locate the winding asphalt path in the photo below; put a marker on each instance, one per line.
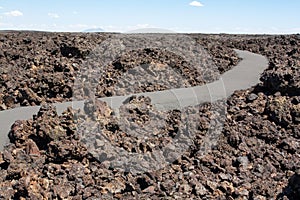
(245, 75)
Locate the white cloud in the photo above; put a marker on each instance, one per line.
(14, 13)
(196, 3)
(53, 15)
(1, 7)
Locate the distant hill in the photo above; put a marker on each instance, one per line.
(151, 30)
(93, 30)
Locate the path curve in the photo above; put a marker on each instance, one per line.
(245, 75)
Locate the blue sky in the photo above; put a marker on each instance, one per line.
(203, 16)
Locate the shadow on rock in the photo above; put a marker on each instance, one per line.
(292, 190)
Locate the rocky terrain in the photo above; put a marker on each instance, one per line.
(257, 155)
(38, 67)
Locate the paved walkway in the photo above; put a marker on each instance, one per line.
(245, 75)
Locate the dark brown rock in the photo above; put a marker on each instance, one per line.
(256, 156)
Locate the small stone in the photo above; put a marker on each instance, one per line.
(63, 191)
(150, 189)
(32, 148)
(252, 97)
(200, 189)
(212, 185)
(9, 100)
(242, 192)
(259, 197)
(243, 161)
(115, 187)
(186, 188)
(228, 187)
(1, 158)
(277, 94)
(3, 106)
(224, 176)
(99, 143)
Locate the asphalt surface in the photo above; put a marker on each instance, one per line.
(245, 75)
